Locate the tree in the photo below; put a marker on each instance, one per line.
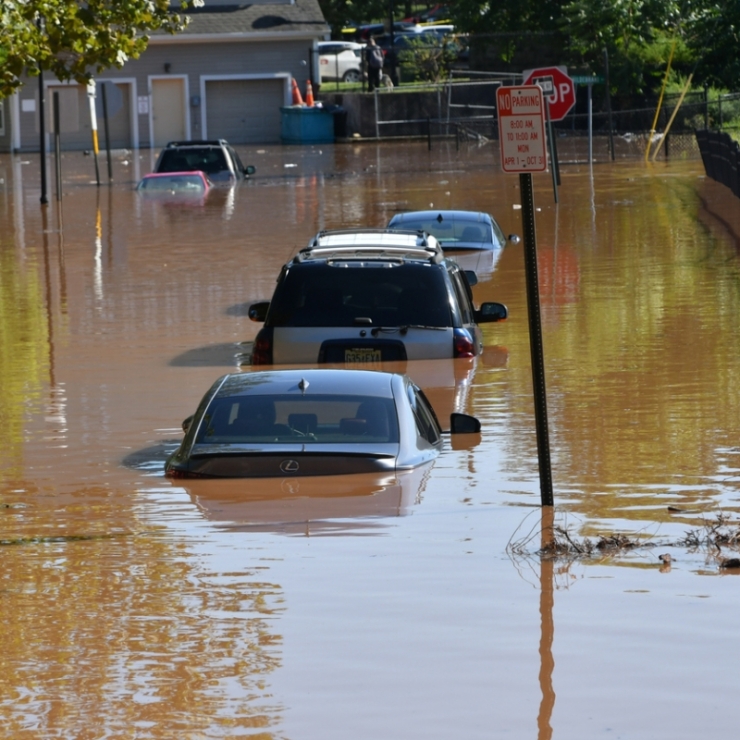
(714, 36)
(74, 39)
(340, 13)
(506, 16)
(639, 35)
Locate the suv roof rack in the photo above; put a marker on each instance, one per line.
(359, 243)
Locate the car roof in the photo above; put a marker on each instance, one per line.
(317, 382)
(372, 244)
(184, 173)
(449, 215)
(198, 142)
(345, 44)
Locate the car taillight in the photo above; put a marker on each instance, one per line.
(262, 350)
(462, 343)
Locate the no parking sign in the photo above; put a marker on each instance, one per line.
(521, 128)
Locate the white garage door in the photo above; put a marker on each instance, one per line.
(244, 111)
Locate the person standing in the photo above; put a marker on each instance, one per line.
(374, 56)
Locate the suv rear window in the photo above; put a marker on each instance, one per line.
(338, 294)
(210, 160)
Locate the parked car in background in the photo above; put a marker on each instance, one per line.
(340, 60)
(365, 296)
(310, 422)
(455, 230)
(438, 13)
(176, 187)
(363, 32)
(217, 158)
(472, 238)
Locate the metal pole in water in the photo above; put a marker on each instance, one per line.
(107, 134)
(590, 126)
(553, 155)
(535, 338)
(42, 135)
(608, 102)
(94, 127)
(57, 147)
(377, 125)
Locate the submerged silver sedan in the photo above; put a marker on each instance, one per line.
(456, 230)
(310, 422)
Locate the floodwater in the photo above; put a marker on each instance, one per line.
(414, 606)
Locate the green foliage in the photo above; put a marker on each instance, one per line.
(637, 34)
(714, 35)
(75, 39)
(341, 13)
(427, 61)
(640, 37)
(504, 16)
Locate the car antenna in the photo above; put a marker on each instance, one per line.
(303, 384)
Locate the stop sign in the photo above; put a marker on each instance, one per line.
(557, 88)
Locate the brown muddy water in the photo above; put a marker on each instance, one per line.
(411, 607)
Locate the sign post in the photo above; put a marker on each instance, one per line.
(560, 95)
(558, 89)
(521, 123)
(91, 90)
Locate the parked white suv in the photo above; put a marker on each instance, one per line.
(365, 296)
(340, 60)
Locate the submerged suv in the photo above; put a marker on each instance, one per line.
(216, 158)
(366, 296)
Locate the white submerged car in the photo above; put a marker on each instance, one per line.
(310, 422)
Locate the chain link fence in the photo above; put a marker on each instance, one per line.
(466, 110)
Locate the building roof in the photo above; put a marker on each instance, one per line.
(236, 20)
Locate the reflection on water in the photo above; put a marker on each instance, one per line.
(90, 651)
(134, 606)
(309, 507)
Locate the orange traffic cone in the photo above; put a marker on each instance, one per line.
(297, 99)
(309, 94)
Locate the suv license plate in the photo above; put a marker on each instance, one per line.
(362, 355)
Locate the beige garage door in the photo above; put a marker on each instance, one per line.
(244, 111)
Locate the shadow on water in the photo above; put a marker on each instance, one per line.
(230, 354)
(151, 459)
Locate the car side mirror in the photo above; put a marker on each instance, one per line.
(258, 311)
(491, 311)
(472, 277)
(463, 424)
(250, 169)
(186, 423)
(514, 238)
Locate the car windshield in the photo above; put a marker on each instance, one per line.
(340, 293)
(210, 160)
(178, 183)
(324, 419)
(450, 232)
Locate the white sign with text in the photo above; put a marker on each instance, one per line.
(521, 128)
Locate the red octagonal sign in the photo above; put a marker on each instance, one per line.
(557, 87)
